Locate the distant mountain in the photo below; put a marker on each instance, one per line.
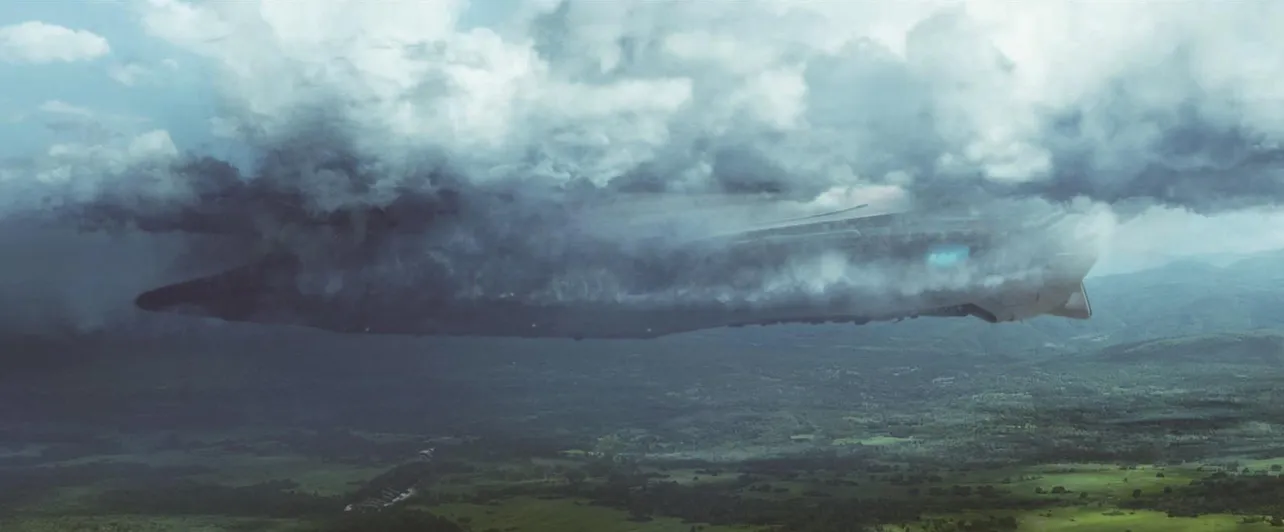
(1257, 348)
(1180, 299)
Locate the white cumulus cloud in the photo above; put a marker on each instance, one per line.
(36, 42)
(127, 167)
(1067, 98)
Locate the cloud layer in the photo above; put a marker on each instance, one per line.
(1158, 103)
(513, 111)
(1169, 103)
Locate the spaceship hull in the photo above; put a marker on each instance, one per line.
(933, 264)
(515, 319)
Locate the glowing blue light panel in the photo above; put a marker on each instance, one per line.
(948, 255)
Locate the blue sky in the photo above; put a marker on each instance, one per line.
(175, 93)
(178, 99)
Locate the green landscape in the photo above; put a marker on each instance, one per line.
(1162, 413)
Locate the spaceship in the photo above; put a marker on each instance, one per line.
(660, 266)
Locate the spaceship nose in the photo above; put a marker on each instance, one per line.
(157, 300)
(230, 295)
(198, 297)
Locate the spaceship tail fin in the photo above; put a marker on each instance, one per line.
(1076, 307)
